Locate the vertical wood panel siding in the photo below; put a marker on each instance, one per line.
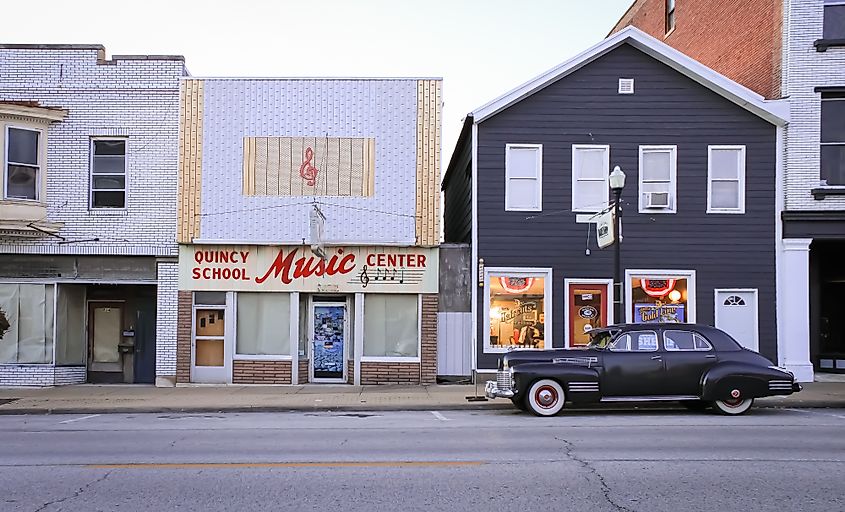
(345, 166)
(429, 101)
(730, 251)
(190, 161)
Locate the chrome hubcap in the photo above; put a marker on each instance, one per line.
(546, 397)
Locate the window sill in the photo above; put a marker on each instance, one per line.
(388, 359)
(823, 44)
(257, 357)
(109, 212)
(819, 193)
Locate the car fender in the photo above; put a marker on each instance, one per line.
(580, 383)
(731, 380)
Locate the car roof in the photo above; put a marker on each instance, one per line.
(720, 339)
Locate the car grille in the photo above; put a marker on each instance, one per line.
(780, 385)
(503, 380)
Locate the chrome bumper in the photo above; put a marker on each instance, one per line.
(492, 390)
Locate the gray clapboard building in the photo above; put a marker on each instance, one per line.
(529, 180)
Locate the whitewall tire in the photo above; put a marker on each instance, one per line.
(733, 407)
(545, 398)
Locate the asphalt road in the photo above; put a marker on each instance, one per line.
(772, 459)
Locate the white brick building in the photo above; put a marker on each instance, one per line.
(812, 279)
(87, 215)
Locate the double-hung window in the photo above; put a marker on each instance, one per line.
(108, 173)
(725, 179)
(23, 165)
(833, 138)
(658, 179)
(590, 171)
(524, 177)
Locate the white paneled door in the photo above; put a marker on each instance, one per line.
(737, 314)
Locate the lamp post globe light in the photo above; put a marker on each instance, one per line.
(617, 183)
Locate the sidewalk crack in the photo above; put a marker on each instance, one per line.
(76, 494)
(605, 488)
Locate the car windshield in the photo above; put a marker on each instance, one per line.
(600, 338)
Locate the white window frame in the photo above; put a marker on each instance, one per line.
(598, 207)
(689, 275)
(539, 179)
(543, 272)
(293, 332)
(673, 179)
(228, 336)
(125, 189)
(392, 359)
(39, 167)
(740, 178)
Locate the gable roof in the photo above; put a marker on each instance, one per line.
(774, 111)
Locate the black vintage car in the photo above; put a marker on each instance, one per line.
(698, 365)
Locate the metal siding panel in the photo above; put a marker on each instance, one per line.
(727, 251)
(383, 109)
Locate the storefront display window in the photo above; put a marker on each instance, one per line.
(263, 326)
(517, 305)
(26, 323)
(661, 298)
(391, 325)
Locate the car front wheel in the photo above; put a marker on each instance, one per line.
(545, 398)
(733, 407)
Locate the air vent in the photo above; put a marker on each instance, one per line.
(626, 86)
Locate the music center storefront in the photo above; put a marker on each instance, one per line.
(255, 314)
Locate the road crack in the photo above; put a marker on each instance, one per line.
(76, 494)
(569, 452)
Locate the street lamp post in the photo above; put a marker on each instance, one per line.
(617, 183)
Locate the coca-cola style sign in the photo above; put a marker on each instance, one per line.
(296, 268)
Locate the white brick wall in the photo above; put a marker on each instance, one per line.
(40, 375)
(805, 69)
(137, 98)
(168, 285)
(134, 98)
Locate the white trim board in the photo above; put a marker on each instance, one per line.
(776, 112)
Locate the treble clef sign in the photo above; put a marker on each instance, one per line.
(365, 279)
(308, 171)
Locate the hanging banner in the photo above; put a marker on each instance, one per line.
(604, 229)
(297, 268)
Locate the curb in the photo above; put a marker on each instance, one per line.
(502, 405)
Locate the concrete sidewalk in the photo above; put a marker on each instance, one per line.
(101, 399)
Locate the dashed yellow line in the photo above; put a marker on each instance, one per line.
(247, 465)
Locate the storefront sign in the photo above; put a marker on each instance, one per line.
(648, 313)
(297, 268)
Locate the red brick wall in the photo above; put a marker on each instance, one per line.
(350, 372)
(260, 372)
(389, 373)
(428, 356)
(741, 40)
(183, 337)
(303, 371)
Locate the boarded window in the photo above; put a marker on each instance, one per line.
(309, 166)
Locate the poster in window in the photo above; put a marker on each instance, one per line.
(517, 312)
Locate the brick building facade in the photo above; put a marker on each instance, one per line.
(87, 214)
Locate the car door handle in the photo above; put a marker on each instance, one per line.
(711, 356)
(655, 358)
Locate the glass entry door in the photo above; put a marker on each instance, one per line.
(105, 328)
(328, 342)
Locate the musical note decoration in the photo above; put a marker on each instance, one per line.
(308, 171)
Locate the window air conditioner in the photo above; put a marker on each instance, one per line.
(658, 200)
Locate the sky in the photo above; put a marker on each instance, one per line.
(481, 48)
